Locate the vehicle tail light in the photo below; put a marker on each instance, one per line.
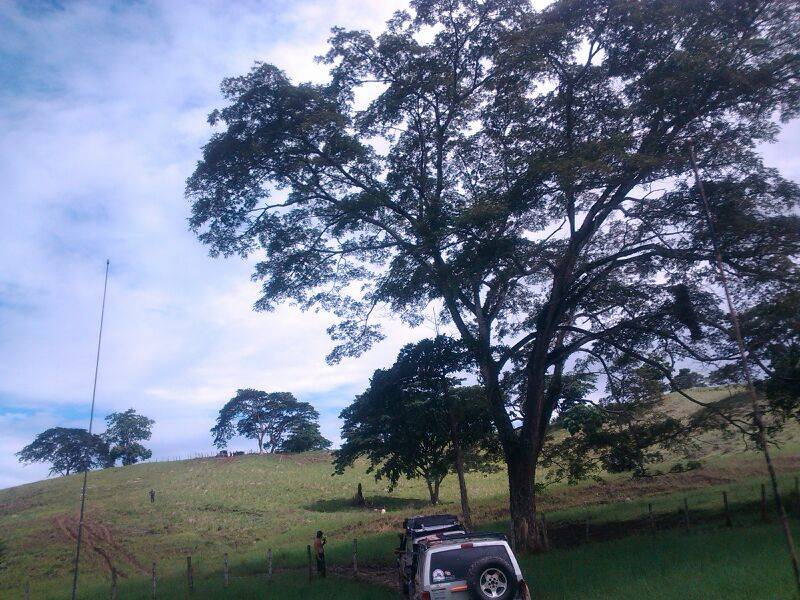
(426, 596)
(467, 545)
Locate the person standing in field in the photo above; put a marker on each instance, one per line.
(319, 549)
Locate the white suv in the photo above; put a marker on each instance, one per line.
(459, 565)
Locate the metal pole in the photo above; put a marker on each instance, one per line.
(737, 330)
(91, 422)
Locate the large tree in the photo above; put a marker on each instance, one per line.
(124, 432)
(68, 450)
(267, 417)
(528, 171)
(414, 422)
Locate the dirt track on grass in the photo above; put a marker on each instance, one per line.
(100, 542)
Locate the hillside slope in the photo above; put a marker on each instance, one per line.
(245, 505)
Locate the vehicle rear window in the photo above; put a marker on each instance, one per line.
(452, 565)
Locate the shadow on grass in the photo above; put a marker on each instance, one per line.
(390, 503)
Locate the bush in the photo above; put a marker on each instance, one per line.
(690, 465)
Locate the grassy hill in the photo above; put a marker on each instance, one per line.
(245, 505)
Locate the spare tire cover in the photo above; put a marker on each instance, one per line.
(491, 578)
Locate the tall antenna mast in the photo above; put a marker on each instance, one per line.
(91, 422)
(758, 418)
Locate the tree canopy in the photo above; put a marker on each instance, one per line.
(305, 437)
(686, 378)
(403, 423)
(68, 450)
(526, 171)
(267, 417)
(124, 431)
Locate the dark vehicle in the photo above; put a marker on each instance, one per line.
(415, 528)
(438, 560)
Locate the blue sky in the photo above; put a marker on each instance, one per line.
(102, 116)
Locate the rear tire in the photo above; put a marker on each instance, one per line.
(491, 578)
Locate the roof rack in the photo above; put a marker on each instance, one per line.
(466, 535)
(423, 522)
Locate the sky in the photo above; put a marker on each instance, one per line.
(103, 111)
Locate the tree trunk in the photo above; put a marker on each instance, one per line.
(459, 460)
(433, 490)
(520, 456)
(522, 499)
(260, 443)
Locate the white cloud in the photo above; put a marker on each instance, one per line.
(102, 116)
(102, 119)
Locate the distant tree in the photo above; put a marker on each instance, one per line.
(625, 430)
(304, 437)
(124, 431)
(413, 422)
(782, 385)
(2, 555)
(68, 450)
(686, 378)
(527, 170)
(267, 417)
(772, 331)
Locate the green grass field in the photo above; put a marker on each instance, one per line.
(247, 505)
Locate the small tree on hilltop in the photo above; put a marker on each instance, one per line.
(267, 417)
(68, 450)
(123, 432)
(685, 379)
(305, 437)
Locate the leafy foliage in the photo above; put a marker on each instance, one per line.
(624, 431)
(305, 437)
(528, 172)
(124, 431)
(68, 450)
(402, 422)
(774, 338)
(686, 378)
(261, 416)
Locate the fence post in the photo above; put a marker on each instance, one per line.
(797, 494)
(545, 537)
(586, 531)
(310, 571)
(728, 521)
(269, 563)
(225, 568)
(154, 581)
(686, 513)
(28, 590)
(763, 502)
(189, 573)
(651, 518)
(355, 558)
